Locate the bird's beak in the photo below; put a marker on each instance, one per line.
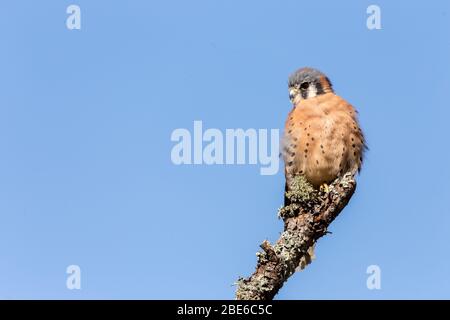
(292, 93)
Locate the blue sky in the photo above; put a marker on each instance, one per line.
(85, 122)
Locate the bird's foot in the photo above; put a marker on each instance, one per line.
(324, 188)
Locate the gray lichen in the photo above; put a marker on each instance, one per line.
(301, 195)
(300, 190)
(306, 219)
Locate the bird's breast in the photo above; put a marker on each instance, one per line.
(318, 141)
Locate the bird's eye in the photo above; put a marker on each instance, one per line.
(304, 85)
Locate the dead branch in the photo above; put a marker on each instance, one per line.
(304, 223)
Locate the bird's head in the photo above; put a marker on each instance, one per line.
(307, 83)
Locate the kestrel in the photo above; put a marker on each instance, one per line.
(322, 139)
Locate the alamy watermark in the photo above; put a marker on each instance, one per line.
(374, 279)
(73, 281)
(73, 21)
(373, 21)
(233, 146)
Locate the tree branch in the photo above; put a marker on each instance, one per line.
(305, 221)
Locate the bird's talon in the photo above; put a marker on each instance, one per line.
(324, 188)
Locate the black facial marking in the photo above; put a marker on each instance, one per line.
(319, 88)
(304, 78)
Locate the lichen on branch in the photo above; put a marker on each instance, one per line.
(306, 219)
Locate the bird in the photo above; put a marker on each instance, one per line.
(322, 137)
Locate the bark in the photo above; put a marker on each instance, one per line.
(304, 223)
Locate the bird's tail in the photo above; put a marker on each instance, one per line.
(307, 258)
